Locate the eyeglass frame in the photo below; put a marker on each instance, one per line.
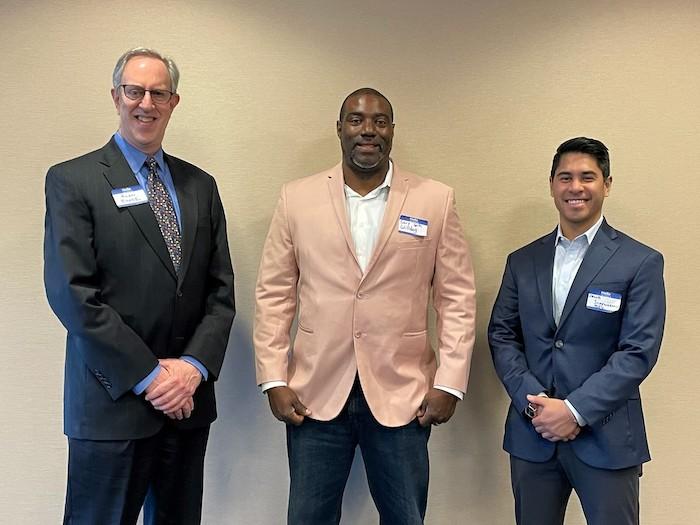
(149, 91)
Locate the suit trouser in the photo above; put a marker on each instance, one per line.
(109, 481)
(321, 454)
(542, 490)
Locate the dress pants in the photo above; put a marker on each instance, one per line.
(542, 490)
(108, 481)
(321, 454)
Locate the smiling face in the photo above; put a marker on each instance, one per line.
(142, 122)
(366, 132)
(578, 189)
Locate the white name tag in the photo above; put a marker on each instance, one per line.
(129, 196)
(413, 225)
(601, 301)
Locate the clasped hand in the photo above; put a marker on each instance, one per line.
(553, 421)
(172, 390)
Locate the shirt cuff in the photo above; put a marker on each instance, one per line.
(579, 419)
(267, 385)
(142, 385)
(198, 365)
(458, 394)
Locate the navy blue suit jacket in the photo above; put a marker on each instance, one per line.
(111, 282)
(595, 359)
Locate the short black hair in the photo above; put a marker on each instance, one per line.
(365, 91)
(592, 147)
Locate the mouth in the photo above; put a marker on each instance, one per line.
(367, 147)
(145, 119)
(576, 202)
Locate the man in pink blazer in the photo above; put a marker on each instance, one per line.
(356, 251)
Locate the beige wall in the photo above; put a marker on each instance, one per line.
(483, 92)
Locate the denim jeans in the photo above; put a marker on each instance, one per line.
(321, 454)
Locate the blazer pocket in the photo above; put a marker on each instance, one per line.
(415, 333)
(411, 242)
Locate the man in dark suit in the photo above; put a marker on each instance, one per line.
(576, 327)
(137, 268)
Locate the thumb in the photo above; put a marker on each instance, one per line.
(299, 407)
(536, 400)
(422, 408)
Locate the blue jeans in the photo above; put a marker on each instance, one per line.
(321, 453)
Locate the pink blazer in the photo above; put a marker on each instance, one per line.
(376, 324)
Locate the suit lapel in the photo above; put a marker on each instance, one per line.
(119, 175)
(336, 188)
(187, 199)
(397, 196)
(598, 254)
(544, 265)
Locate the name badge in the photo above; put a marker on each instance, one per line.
(413, 226)
(129, 196)
(602, 301)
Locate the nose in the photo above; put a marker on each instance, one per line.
(576, 184)
(146, 101)
(368, 127)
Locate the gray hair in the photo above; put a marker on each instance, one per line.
(173, 72)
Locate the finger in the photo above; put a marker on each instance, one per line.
(426, 420)
(172, 406)
(159, 390)
(166, 398)
(294, 419)
(175, 414)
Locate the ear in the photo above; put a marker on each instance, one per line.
(174, 101)
(338, 127)
(115, 98)
(608, 184)
(551, 190)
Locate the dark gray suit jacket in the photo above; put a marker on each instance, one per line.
(111, 282)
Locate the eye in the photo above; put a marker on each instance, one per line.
(134, 92)
(381, 122)
(355, 121)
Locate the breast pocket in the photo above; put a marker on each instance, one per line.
(606, 297)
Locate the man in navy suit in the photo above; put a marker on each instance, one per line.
(576, 327)
(137, 268)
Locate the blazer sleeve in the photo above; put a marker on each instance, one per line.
(108, 346)
(454, 300)
(507, 345)
(210, 339)
(275, 298)
(641, 332)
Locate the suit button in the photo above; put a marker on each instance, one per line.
(559, 344)
(358, 334)
(179, 293)
(360, 295)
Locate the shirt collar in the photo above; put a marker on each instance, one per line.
(349, 192)
(590, 233)
(134, 156)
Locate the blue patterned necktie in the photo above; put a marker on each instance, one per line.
(163, 208)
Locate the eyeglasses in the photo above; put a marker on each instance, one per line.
(159, 96)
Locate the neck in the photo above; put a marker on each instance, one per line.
(571, 231)
(364, 181)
